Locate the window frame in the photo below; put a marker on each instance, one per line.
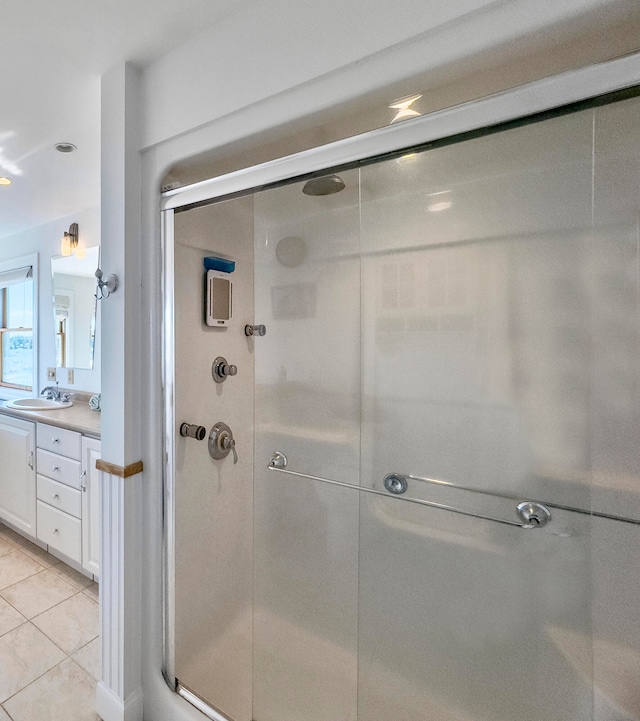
(8, 391)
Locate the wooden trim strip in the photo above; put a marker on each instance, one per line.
(121, 471)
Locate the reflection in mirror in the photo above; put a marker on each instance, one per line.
(74, 308)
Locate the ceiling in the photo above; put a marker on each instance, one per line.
(53, 56)
(55, 52)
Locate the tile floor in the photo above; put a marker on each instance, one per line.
(49, 643)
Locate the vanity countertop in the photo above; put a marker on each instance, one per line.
(77, 418)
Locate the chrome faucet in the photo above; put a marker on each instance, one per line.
(51, 393)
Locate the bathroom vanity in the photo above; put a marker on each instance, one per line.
(49, 481)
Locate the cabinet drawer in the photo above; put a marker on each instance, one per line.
(64, 470)
(62, 497)
(60, 440)
(60, 531)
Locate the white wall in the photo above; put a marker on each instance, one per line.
(342, 49)
(45, 240)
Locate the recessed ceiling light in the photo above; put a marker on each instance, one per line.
(5, 181)
(65, 147)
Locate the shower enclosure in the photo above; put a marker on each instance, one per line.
(443, 405)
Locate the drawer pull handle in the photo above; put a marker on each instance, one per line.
(55, 496)
(55, 530)
(83, 483)
(55, 468)
(55, 440)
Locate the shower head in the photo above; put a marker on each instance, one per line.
(327, 185)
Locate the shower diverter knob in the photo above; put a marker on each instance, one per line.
(221, 442)
(221, 369)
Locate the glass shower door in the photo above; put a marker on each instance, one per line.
(429, 322)
(476, 393)
(307, 293)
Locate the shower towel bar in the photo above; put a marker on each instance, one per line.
(431, 504)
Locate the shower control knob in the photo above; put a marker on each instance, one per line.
(221, 442)
(221, 369)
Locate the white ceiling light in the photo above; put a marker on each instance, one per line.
(65, 147)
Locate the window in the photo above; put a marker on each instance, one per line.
(16, 328)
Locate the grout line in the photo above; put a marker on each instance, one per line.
(47, 635)
(46, 609)
(5, 710)
(35, 679)
(26, 620)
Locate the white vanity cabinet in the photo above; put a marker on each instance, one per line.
(17, 473)
(66, 507)
(58, 490)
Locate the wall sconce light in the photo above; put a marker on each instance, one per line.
(69, 241)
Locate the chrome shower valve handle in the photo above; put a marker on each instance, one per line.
(229, 443)
(222, 442)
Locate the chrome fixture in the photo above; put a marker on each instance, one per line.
(395, 484)
(189, 430)
(534, 514)
(278, 461)
(221, 442)
(326, 185)
(220, 369)
(105, 287)
(250, 330)
(54, 394)
(69, 241)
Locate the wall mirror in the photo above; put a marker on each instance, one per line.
(74, 308)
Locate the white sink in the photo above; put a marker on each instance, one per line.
(38, 404)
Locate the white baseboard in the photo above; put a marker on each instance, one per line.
(111, 707)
